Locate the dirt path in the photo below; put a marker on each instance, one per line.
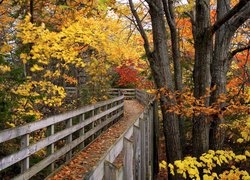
(89, 157)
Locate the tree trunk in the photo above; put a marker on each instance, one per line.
(160, 66)
(218, 73)
(170, 16)
(202, 79)
(220, 64)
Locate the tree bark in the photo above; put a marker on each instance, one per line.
(218, 71)
(170, 16)
(164, 79)
(202, 77)
(32, 11)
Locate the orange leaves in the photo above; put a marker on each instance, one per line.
(185, 104)
(70, 80)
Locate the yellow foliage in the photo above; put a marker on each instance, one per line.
(4, 69)
(10, 124)
(189, 167)
(35, 93)
(6, 48)
(163, 165)
(92, 43)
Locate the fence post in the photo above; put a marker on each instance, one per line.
(137, 152)
(51, 148)
(143, 156)
(25, 164)
(151, 141)
(82, 118)
(146, 150)
(69, 139)
(128, 159)
(110, 171)
(93, 125)
(106, 117)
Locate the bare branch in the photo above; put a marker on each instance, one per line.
(234, 52)
(229, 15)
(152, 4)
(239, 19)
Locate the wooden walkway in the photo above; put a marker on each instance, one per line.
(83, 163)
(94, 134)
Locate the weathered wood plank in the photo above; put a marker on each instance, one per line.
(110, 171)
(8, 134)
(151, 141)
(69, 139)
(121, 89)
(111, 154)
(137, 152)
(128, 159)
(143, 155)
(146, 150)
(81, 133)
(51, 148)
(25, 164)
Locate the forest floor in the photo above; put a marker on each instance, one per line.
(78, 167)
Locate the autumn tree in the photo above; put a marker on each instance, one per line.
(160, 67)
(210, 65)
(228, 21)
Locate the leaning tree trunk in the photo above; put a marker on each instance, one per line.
(220, 64)
(203, 53)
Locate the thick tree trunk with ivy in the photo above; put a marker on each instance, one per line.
(221, 62)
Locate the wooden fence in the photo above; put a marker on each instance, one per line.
(142, 96)
(128, 93)
(138, 146)
(64, 134)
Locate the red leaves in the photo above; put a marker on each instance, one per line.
(129, 76)
(134, 73)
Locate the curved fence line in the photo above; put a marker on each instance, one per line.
(73, 129)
